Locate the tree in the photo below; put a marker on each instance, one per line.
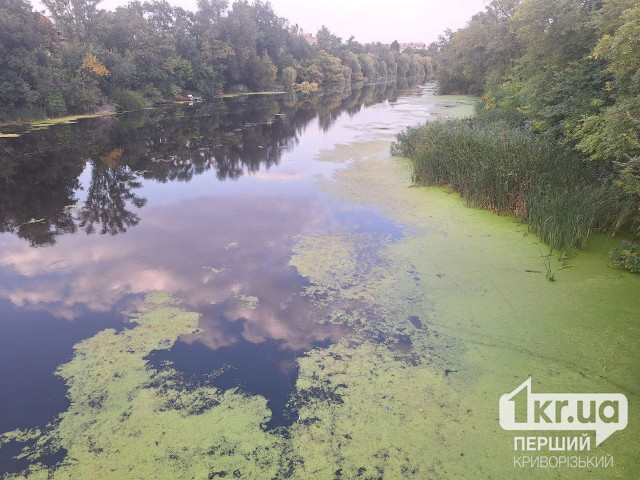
(153, 50)
(330, 66)
(350, 60)
(487, 44)
(76, 18)
(327, 41)
(289, 77)
(26, 43)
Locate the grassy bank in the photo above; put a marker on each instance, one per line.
(508, 170)
(122, 100)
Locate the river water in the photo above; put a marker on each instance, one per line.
(252, 288)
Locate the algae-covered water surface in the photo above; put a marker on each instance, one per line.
(253, 288)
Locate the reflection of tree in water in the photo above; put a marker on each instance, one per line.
(39, 171)
(110, 189)
(35, 192)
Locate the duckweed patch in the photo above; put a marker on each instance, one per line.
(346, 424)
(342, 153)
(452, 308)
(127, 420)
(248, 301)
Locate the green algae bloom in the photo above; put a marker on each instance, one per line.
(446, 319)
(127, 420)
(248, 301)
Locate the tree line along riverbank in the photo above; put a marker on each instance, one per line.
(556, 136)
(78, 58)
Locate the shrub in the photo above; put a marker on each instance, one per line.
(127, 100)
(306, 87)
(627, 256)
(81, 96)
(151, 94)
(54, 103)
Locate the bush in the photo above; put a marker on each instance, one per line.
(151, 94)
(81, 96)
(54, 103)
(127, 100)
(510, 170)
(627, 256)
(306, 87)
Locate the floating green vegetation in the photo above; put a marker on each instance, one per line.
(216, 270)
(342, 153)
(368, 414)
(446, 319)
(245, 94)
(127, 420)
(42, 124)
(248, 301)
(64, 120)
(454, 106)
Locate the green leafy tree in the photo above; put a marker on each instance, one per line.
(330, 66)
(289, 77)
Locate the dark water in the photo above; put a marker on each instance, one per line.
(202, 202)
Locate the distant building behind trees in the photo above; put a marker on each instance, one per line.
(311, 40)
(412, 46)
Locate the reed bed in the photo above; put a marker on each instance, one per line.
(506, 169)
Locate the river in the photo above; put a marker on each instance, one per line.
(253, 288)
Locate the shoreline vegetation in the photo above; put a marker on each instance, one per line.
(511, 171)
(77, 57)
(556, 136)
(29, 125)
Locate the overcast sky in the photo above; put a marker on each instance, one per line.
(367, 20)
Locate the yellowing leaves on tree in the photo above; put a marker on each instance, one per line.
(90, 63)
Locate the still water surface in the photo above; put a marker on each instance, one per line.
(336, 321)
(203, 202)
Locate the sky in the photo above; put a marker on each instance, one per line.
(367, 20)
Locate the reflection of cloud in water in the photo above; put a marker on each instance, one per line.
(279, 176)
(168, 251)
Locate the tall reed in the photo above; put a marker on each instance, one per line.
(506, 169)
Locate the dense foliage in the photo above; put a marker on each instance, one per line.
(79, 57)
(568, 70)
(556, 138)
(627, 256)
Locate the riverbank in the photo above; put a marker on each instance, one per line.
(15, 129)
(511, 171)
